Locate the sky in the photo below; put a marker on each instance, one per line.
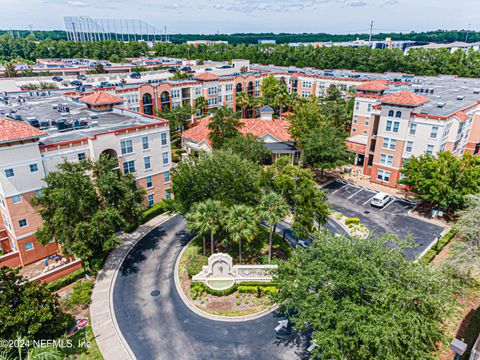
(229, 16)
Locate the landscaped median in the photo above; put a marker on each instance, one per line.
(351, 225)
(237, 300)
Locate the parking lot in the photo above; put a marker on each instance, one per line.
(354, 201)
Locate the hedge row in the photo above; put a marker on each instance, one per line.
(265, 287)
(66, 280)
(444, 240)
(157, 209)
(355, 221)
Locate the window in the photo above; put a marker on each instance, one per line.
(229, 98)
(81, 156)
(390, 113)
(145, 143)
(229, 87)
(355, 119)
(33, 168)
(306, 94)
(413, 129)
(383, 175)
(367, 121)
(9, 173)
(434, 132)
(168, 194)
(28, 246)
(396, 126)
(150, 200)
(16, 199)
(307, 84)
(128, 166)
(354, 130)
(198, 91)
(392, 126)
(389, 143)
(357, 105)
(388, 127)
(386, 159)
(23, 223)
(175, 93)
(148, 182)
(212, 101)
(166, 177)
(369, 107)
(398, 114)
(409, 146)
(127, 147)
(430, 149)
(165, 158)
(147, 163)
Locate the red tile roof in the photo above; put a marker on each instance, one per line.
(13, 130)
(461, 115)
(405, 98)
(207, 76)
(375, 85)
(257, 127)
(101, 98)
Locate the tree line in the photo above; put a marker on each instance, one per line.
(417, 61)
(438, 36)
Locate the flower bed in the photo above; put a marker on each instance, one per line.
(352, 225)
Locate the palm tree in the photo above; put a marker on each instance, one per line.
(242, 224)
(272, 208)
(201, 104)
(281, 98)
(206, 217)
(242, 101)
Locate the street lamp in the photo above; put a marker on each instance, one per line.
(458, 347)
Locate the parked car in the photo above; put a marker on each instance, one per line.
(135, 75)
(186, 68)
(173, 70)
(380, 200)
(76, 83)
(57, 78)
(82, 77)
(14, 117)
(208, 69)
(105, 84)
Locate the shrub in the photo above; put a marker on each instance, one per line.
(80, 295)
(445, 239)
(429, 255)
(354, 221)
(157, 209)
(66, 280)
(180, 152)
(195, 264)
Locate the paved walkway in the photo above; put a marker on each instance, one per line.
(109, 339)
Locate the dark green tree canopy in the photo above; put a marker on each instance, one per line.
(443, 179)
(222, 175)
(223, 125)
(28, 309)
(249, 147)
(362, 299)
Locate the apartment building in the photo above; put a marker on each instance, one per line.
(57, 128)
(393, 121)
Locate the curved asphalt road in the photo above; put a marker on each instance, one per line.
(157, 325)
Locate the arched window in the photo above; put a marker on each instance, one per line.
(238, 88)
(147, 104)
(390, 113)
(398, 114)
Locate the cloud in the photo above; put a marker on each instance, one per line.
(77, 3)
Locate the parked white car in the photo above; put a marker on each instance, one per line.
(380, 200)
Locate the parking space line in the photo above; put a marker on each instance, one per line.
(355, 193)
(366, 202)
(391, 202)
(339, 189)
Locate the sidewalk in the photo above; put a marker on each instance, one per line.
(109, 338)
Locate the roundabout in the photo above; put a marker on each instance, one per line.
(156, 323)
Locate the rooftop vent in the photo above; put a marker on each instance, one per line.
(460, 97)
(441, 104)
(476, 91)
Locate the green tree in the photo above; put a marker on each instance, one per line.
(201, 105)
(28, 309)
(10, 70)
(207, 217)
(241, 223)
(100, 69)
(242, 101)
(222, 175)
(249, 147)
(179, 117)
(83, 212)
(305, 199)
(325, 148)
(272, 208)
(178, 75)
(442, 180)
(223, 125)
(361, 299)
(269, 88)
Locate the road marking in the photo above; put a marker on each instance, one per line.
(391, 202)
(354, 194)
(339, 189)
(366, 202)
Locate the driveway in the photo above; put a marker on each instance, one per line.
(157, 325)
(354, 201)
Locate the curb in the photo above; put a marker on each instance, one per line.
(205, 314)
(430, 246)
(108, 336)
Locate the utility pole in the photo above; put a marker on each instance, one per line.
(371, 29)
(468, 31)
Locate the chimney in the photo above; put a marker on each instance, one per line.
(266, 113)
